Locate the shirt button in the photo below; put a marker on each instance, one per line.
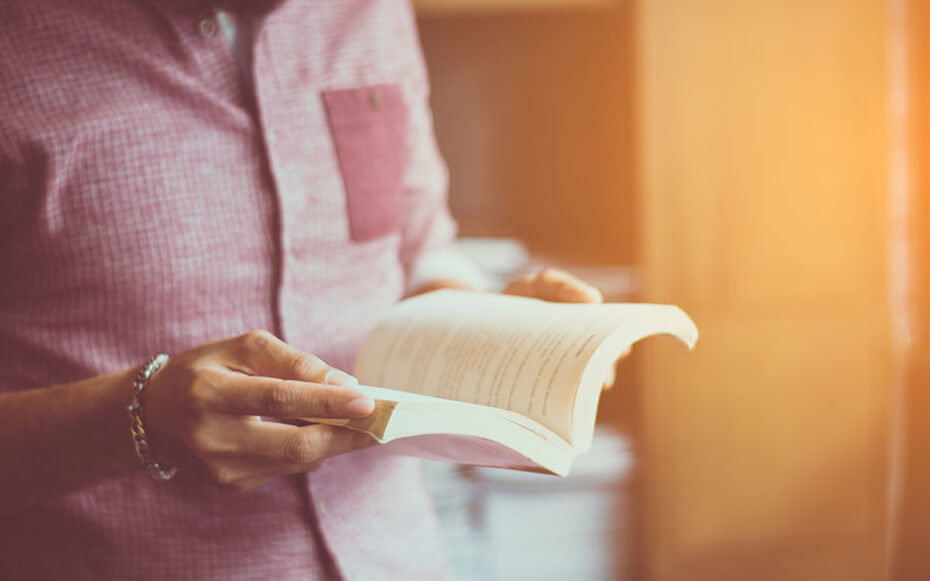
(321, 507)
(290, 260)
(207, 27)
(272, 137)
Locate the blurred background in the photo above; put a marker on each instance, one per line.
(764, 165)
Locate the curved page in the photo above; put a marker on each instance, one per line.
(523, 355)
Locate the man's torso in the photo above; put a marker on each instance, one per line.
(150, 200)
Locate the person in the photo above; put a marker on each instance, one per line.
(245, 186)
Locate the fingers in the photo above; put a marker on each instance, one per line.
(285, 399)
(267, 450)
(559, 286)
(610, 378)
(288, 449)
(261, 353)
(554, 285)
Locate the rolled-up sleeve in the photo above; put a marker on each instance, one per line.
(428, 225)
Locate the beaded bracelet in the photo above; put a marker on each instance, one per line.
(143, 450)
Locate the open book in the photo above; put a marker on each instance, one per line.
(496, 380)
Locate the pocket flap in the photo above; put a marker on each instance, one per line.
(364, 106)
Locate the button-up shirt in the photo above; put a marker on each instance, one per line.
(152, 198)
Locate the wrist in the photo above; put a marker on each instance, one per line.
(119, 452)
(153, 467)
(60, 438)
(439, 284)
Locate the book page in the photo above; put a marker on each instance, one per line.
(414, 424)
(519, 354)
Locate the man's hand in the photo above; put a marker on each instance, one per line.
(204, 409)
(554, 285)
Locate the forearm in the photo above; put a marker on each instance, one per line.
(438, 284)
(58, 439)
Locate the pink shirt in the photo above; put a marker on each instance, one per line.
(151, 199)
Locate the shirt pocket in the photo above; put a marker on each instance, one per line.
(368, 127)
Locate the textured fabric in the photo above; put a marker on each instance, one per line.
(151, 199)
(366, 126)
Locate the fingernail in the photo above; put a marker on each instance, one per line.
(338, 377)
(361, 406)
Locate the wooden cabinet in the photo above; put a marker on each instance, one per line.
(911, 463)
(534, 116)
(764, 176)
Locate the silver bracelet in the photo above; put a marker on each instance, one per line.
(143, 451)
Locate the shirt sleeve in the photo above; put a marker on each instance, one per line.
(446, 263)
(428, 225)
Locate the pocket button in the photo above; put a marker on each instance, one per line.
(207, 27)
(375, 100)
